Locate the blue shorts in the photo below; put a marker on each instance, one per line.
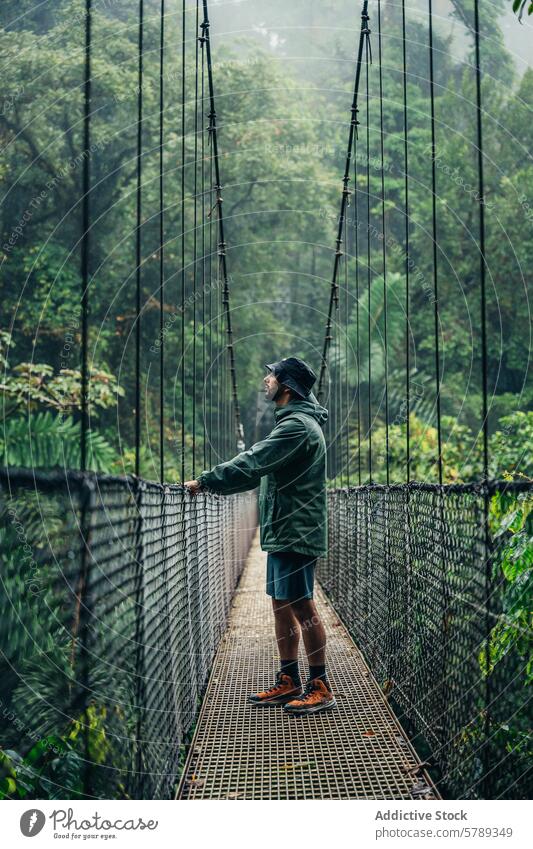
(290, 575)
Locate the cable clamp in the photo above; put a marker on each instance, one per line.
(366, 32)
(355, 122)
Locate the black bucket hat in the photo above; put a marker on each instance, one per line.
(294, 373)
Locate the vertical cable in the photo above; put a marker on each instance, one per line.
(338, 408)
(407, 299)
(138, 246)
(211, 316)
(161, 241)
(486, 754)
(357, 340)
(368, 275)
(85, 243)
(346, 352)
(383, 234)
(195, 248)
(482, 272)
(216, 329)
(202, 180)
(237, 430)
(364, 39)
(434, 226)
(182, 352)
(444, 594)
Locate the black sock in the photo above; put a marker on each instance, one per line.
(318, 672)
(290, 667)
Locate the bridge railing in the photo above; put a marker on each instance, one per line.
(114, 594)
(439, 609)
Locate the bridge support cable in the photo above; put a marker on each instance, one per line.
(384, 249)
(85, 237)
(138, 240)
(357, 294)
(407, 256)
(334, 296)
(368, 266)
(161, 241)
(488, 753)
(221, 248)
(434, 241)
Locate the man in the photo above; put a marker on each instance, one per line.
(289, 466)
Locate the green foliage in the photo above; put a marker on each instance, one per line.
(52, 769)
(521, 5)
(42, 438)
(510, 450)
(45, 441)
(511, 522)
(511, 446)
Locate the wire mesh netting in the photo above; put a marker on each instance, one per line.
(114, 595)
(443, 627)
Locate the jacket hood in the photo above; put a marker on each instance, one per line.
(307, 405)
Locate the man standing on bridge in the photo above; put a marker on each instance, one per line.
(289, 466)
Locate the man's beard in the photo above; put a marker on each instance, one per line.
(278, 392)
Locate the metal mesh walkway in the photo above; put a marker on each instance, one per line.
(356, 751)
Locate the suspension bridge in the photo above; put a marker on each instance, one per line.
(154, 625)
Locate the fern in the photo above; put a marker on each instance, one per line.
(46, 440)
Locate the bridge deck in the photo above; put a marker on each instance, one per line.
(239, 751)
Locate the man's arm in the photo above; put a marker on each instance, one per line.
(245, 470)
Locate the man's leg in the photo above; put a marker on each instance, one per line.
(317, 695)
(287, 637)
(314, 636)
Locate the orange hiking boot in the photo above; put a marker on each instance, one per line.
(283, 691)
(317, 696)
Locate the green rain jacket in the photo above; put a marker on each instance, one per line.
(289, 466)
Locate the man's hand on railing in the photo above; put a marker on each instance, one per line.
(193, 487)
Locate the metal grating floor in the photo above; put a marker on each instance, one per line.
(239, 751)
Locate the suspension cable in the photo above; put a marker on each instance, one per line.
(239, 432)
(488, 623)
(368, 271)
(161, 241)
(346, 357)
(195, 243)
(357, 340)
(138, 245)
(383, 235)
(85, 239)
(482, 261)
(182, 328)
(434, 236)
(333, 299)
(211, 317)
(407, 298)
(202, 182)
